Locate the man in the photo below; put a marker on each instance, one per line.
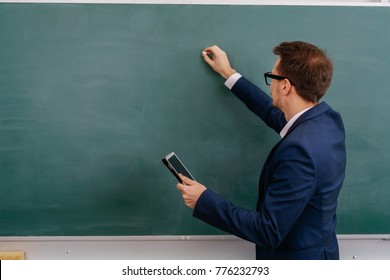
(295, 217)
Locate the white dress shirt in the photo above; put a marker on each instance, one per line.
(285, 129)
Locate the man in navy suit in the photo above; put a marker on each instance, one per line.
(295, 216)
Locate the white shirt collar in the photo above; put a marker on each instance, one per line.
(285, 129)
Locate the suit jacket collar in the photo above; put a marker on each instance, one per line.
(311, 113)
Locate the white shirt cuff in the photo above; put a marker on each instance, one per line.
(231, 81)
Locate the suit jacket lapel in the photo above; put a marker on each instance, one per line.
(313, 112)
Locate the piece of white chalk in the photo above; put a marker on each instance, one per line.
(204, 53)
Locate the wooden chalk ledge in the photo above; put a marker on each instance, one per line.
(12, 255)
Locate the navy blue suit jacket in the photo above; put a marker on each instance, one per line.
(295, 217)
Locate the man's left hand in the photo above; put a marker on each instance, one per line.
(190, 191)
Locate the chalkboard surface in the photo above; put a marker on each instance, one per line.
(93, 96)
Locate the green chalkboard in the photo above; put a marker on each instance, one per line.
(93, 96)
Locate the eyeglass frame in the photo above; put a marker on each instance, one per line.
(275, 77)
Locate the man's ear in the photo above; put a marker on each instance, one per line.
(286, 86)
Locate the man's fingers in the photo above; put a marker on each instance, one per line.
(207, 59)
(180, 186)
(218, 61)
(186, 180)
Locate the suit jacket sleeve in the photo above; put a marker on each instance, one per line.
(259, 103)
(293, 184)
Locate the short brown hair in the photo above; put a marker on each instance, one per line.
(307, 66)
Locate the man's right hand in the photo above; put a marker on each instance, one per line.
(218, 60)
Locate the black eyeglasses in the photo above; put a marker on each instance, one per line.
(268, 76)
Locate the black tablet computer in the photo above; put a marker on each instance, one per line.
(175, 165)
